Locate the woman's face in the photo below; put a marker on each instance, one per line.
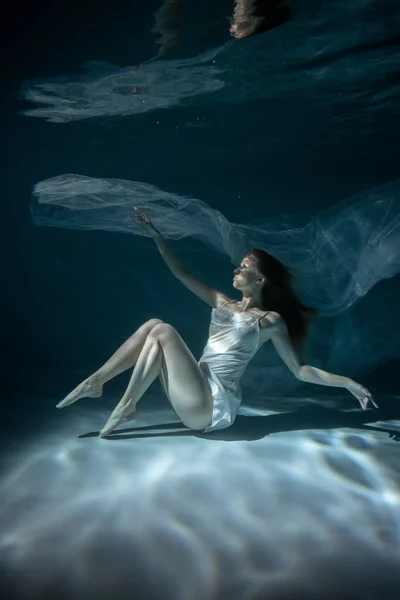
(247, 274)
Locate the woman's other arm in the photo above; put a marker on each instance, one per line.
(284, 347)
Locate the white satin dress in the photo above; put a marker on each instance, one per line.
(234, 338)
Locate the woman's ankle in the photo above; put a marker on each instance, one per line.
(95, 381)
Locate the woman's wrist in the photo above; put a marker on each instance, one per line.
(157, 236)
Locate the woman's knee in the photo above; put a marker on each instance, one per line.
(153, 323)
(145, 330)
(148, 326)
(162, 331)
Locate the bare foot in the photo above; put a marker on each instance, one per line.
(119, 415)
(114, 420)
(130, 415)
(86, 389)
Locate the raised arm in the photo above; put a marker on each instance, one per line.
(283, 345)
(208, 294)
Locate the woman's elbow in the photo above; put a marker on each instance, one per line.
(302, 372)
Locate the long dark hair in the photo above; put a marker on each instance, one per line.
(278, 295)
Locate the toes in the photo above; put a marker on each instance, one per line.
(373, 402)
(71, 398)
(105, 431)
(111, 424)
(86, 389)
(66, 402)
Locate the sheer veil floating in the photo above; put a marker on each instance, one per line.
(337, 257)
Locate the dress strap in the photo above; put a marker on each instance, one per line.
(267, 313)
(225, 303)
(230, 302)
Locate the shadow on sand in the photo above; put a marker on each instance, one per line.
(258, 427)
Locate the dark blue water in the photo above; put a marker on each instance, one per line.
(301, 121)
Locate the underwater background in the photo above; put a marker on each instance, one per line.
(288, 140)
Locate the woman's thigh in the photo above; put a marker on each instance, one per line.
(182, 379)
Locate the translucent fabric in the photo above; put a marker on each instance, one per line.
(338, 256)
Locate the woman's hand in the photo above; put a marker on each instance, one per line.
(362, 394)
(145, 223)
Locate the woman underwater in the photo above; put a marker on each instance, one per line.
(206, 394)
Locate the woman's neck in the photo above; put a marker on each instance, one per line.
(248, 303)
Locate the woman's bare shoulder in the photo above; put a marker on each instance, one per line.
(268, 326)
(270, 318)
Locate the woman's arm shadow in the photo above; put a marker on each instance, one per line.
(255, 428)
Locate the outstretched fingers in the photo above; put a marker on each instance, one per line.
(365, 400)
(372, 400)
(362, 394)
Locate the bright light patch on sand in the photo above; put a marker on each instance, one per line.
(190, 518)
